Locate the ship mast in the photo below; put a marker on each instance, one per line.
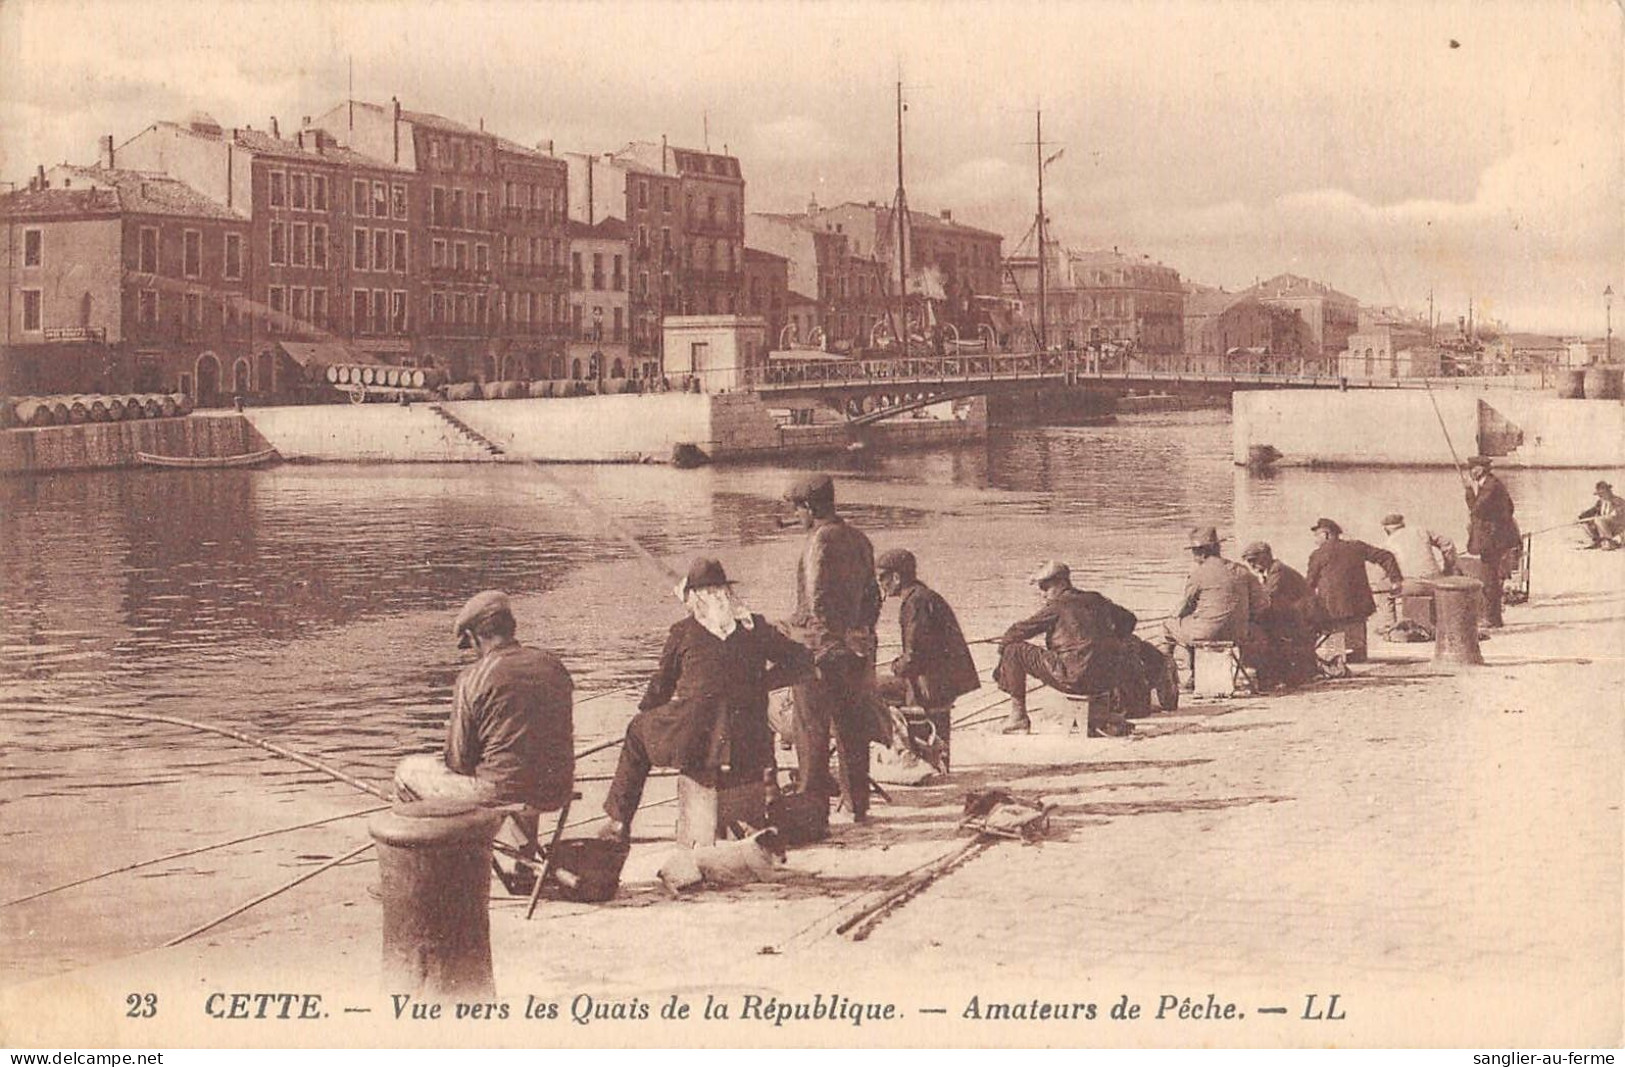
(1043, 287)
(900, 209)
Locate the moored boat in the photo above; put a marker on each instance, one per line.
(245, 459)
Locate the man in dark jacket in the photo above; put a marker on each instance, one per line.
(1289, 636)
(1492, 532)
(1084, 651)
(935, 667)
(1336, 577)
(705, 710)
(837, 606)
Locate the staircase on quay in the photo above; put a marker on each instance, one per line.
(466, 431)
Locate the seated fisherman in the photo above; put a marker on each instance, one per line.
(1421, 555)
(509, 740)
(705, 710)
(1084, 652)
(1604, 521)
(1287, 646)
(1220, 602)
(935, 667)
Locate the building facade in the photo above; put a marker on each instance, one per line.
(1094, 299)
(1389, 351)
(532, 263)
(709, 225)
(600, 333)
(1332, 316)
(1217, 322)
(767, 292)
(851, 292)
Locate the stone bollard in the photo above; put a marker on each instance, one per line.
(434, 865)
(1455, 613)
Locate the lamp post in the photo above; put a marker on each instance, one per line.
(1608, 305)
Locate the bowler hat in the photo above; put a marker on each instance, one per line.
(1603, 487)
(1258, 550)
(1478, 461)
(480, 607)
(897, 561)
(1393, 518)
(1203, 537)
(1328, 525)
(811, 488)
(702, 573)
(1050, 570)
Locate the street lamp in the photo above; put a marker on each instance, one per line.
(1608, 344)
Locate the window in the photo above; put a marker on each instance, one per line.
(318, 192)
(279, 190)
(297, 305)
(228, 313)
(460, 254)
(359, 249)
(300, 253)
(575, 271)
(193, 305)
(358, 311)
(482, 258)
(358, 197)
(278, 304)
(380, 200)
(643, 283)
(397, 201)
(481, 310)
(318, 246)
(597, 270)
(296, 191)
(665, 198)
(575, 321)
(318, 308)
(459, 200)
(147, 307)
(191, 253)
(31, 309)
(620, 324)
(33, 241)
(460, 315)
(438, 253)
(643, 192)
(234, 255)
(380, 250)
(437, 307)
(481, 208)
(380, 311)
(149, 250)
(643, 236)
(437, 207)
(400, 251)
(279, 242)
(397, 311)
(619, 279)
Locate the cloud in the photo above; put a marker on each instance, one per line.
(791, 139)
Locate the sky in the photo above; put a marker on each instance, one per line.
(1475, 150)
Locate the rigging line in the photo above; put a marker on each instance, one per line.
(193, 852)
(263, 897)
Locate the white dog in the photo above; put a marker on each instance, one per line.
(757, 858)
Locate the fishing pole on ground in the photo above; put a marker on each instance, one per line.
(263, 897)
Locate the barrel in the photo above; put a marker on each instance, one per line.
(133, 408)
(1603, 382)
(34, 411)
(115, 408)
(168, 407)
(420, 380)
(8, 414)
(95, 406)
(152, 406)
(537, 388)
(463, 391)
(77, 410)
(1571, 384)
(331, 374)
(184, 404)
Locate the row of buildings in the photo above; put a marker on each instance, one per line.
(227, 262)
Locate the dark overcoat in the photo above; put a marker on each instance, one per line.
(936, 662)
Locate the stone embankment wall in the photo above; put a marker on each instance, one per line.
(1400, 427)
(366, 433)
(102, 445)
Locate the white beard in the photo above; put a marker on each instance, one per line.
(717, 609)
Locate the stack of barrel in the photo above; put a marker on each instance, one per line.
(65, 410)
(383, 377)
(1600, 381)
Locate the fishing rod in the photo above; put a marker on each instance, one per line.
(263, 897)
(1454, 457)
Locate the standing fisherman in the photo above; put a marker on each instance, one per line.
(1492, 532)
(509, 740)
(837, 606)
(1336, 575)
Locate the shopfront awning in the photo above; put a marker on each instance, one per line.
(326, 354)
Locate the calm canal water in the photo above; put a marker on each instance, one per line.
(313, 604)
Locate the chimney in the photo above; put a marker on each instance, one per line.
(395, 110)
(104, 145)
(275, 132)
(41, 177)
(662, 153)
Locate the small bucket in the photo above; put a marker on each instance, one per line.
(800, 818)
(588, 869)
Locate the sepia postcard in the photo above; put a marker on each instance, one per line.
(849, 525)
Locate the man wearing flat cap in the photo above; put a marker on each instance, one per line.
(837, 606)
(935, 667)
(1492, 533)
(1604, 521)
(1421, 553)
(1085, 650)
(1287, 655)
(1336, 576)
(509, 739)
(1221, 600)
(705, 710)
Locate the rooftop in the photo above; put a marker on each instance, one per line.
(611, 229)
(143, 192)
(33, 203)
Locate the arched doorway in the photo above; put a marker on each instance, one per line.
(557, 370)
(617, 370)
(241, 378)
(575, 369)
(208, 380)
(267, 373)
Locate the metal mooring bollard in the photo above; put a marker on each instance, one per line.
(434, 864)
(1455, 616)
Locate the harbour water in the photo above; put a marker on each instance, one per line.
(312, 604)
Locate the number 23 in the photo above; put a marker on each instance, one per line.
(141, 1005)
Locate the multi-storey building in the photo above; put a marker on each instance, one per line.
(532, 263)
(852, 291)
(1096, 298)
(1331, 315)
(600, 332)
(1217, 322)
(119, 281)
(767, 292)
(710, 244)
(332, 251)
(604, 187)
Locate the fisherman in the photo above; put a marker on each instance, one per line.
(837, 606)
(1605, 520)
(509, 740)
(935, 667)
(1221, 599)
(1421, 554)
(705, 710)
(1083, 653)
(1492, 533)
(1337, 578)
(1288, 637)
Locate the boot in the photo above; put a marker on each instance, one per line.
(1017, 723)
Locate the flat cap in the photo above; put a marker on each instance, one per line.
(898, 561)
(1393, 518)
(1203, 537)
(1603, 487)
(1327, 525)
(481, 606)
(810, 487)
(1258, 550)
(1479, 461)
(1049, 570)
